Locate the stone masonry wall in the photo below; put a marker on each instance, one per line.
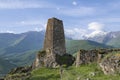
(89, 56)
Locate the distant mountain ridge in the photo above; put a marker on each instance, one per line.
(111, 38)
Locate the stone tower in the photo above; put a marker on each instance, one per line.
(54, 37)
(54, 47)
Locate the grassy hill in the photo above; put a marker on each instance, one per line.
(73, 46)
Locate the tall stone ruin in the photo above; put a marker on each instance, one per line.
(54, 37)
(54, 45)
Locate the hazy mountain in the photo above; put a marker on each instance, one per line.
(111, 38)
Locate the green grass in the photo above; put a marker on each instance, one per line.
(45, 74)
(72, 73)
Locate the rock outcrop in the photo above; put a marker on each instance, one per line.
(19, 73)
(111, 64)
(26, 69)
(45, 59)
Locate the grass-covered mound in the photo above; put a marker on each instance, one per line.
(91, 71)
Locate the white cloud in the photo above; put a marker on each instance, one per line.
(36, 23)
(39, 29)
(32, 22)
(6, 31)
(75, 33)
(110, 19)
(58, 8)
(95, 26)
(114, 5)
(94, 29)
(22, 4)
(78, 11)
(74, 3)
(98, 29)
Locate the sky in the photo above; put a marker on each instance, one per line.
(85, 17)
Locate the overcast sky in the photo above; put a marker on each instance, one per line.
(81, 16)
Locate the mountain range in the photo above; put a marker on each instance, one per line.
(20, 49)
(111, 39)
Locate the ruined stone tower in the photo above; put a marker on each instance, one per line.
(54, 47)
(54, 37)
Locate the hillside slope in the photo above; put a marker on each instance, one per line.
(75, 45)
(28, 41)
(5, 66)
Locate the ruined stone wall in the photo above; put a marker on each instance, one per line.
(86, 57)
(89, 56)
